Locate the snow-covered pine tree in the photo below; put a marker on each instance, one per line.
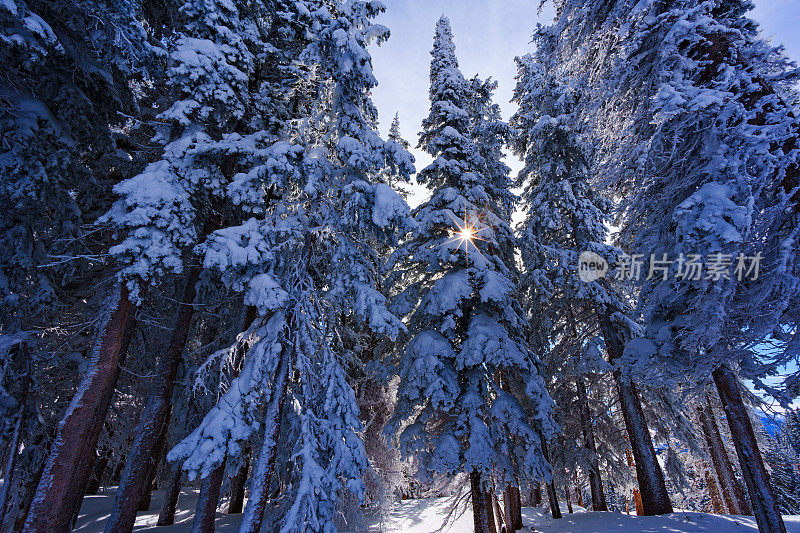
(792, 429)
(72, 72)
(783, 463)
(396, 137)
(491, 135)
(729, 197)
(308, 261)
(176, 202)
(715, 148)
(60, 100)
(467, 332)
(566, 217)
(394, 133)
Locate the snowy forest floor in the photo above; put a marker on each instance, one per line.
(429, 516)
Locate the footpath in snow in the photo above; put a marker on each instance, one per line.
(432, 515)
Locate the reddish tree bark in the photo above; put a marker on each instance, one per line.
(490, 512)
(595, 482)
(70, 461)
(151, 483)
(513, 508)
(237, 482)
(206, 512)
(147, 497)
(713, 493)
(135, 477)
(730, 489)
(653, 489)
(166, 516)
(765, 506)
(637, 502)
(517, 507)
(555, 510)
(508, 513)
(480, 514)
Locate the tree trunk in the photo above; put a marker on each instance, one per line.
(166, 517)
(517, 508)
(206, 512)
(237, 482)
(490, 512)
(595, 482)
(262, 473)
(13, 449)
(579, 490)
(147, 494)
(135, 479)
(569, 499)
(508, 512)
(69, 463)
(16, 522)
(713, 492)
(731, 492)
(117, 475)
(637, 502)
(502, 527)
(151, 483)
(93, 487)
(480, 515)
(655, 498)
(765, 507)
(147, 497)
(537, 495)
(513, 508)
(555, 510)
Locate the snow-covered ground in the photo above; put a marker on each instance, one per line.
(431, 515)
(96, 509)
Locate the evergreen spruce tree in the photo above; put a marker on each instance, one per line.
(179, 200)
(394, 132)
(397, 142)
(309, 264)
(564, 219)
(783, 463)
(695, 117)
(73, 72)
(454, 413)
(792, 429)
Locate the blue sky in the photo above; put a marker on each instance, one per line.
(488, 35)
